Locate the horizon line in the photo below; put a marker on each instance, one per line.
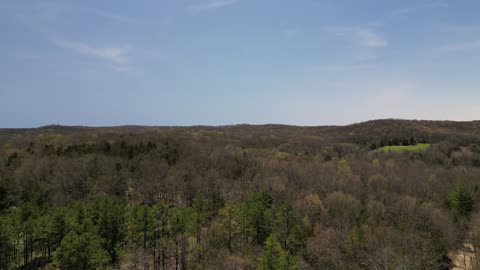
(233, 125)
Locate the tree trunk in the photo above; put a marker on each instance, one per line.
(184, 254)
(176, 254)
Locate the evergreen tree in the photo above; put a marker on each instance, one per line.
(231, 217)
(259, 209)
(6, 245)
(461, 199)
(141, 222)
(161, 233)
(57, 227)
(290, 227)
(81, 251)
(111, 225)
(275, 257)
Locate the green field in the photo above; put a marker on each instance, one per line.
(400, 148)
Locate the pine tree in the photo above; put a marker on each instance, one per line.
(111, 224)
(461, 199)
(6, 245)
(275, 257)
(81, 251)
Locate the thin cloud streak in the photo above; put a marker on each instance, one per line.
(420, 7)
(344, 67)
(367, 38)
(364, 37)
(213, 4)
(116, 17)
(114, 55)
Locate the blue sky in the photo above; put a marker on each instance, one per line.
(217, 62)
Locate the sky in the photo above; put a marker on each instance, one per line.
(222, 62)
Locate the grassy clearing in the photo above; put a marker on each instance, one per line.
(400, 148)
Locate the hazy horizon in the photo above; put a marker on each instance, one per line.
(236, 124)
(225, 62)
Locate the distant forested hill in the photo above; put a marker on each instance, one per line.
(384, 194)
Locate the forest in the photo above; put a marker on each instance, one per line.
(384, 194)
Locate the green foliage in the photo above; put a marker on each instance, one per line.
(461, 199)
(57, 228)
(259, 215)
(140, 225)
(290, 228)
(185, 220)
(282, 155)
(161, 229)
(6, 244)
(218, 197)
(5, 194)
(231, 216)
(344, 168)
(275, 257)
(81, 251)
(400, 148)
(110, 213)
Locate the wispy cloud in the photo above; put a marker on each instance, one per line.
(116, 17)
(212, 4)
(116, 56)
(364, 37)
(461, 46)
(427, 5)
(343, 67)
(367, 38)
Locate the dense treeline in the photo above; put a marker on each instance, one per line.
(239, 197)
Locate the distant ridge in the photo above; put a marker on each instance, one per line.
(358, 133)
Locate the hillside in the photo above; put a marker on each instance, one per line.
(239, 197)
